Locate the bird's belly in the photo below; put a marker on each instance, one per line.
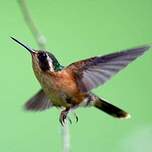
(55, 97)
(61, 89)
(53, 92)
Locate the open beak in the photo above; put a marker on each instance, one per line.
(25, 46)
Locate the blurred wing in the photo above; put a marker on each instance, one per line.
(38, 102)
(93, 72)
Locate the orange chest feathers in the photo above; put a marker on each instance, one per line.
(64, 82)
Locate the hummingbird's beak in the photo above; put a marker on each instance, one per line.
(25, 46)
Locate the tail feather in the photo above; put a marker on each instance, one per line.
(111, 109)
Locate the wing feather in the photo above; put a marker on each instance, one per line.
(38, 102)
(95, 71)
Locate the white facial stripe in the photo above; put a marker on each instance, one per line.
(50, 63)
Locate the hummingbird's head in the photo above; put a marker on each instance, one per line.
(42, 60)
(46, 61)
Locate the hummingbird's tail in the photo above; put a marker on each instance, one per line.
(111, 109)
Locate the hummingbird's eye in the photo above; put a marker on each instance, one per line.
(42, 56)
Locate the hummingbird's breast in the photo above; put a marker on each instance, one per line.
(48, 85)
(60, 87)
(51, 89)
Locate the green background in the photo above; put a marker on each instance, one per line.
(77, 29)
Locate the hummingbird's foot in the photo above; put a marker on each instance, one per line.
(75, 116)
(63, 116)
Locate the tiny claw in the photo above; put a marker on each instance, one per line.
(63, 117)
(61, 122)
(76, 117)
(70, 120)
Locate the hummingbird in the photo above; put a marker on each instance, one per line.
(70, 87)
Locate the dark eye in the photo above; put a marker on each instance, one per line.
(42, 56)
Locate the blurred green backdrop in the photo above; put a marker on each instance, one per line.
(77, 30)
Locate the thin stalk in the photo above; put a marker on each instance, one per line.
(41, 42)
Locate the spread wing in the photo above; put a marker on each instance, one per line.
(95, 71)
(38, 102)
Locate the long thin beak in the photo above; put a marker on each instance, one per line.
(25, 46)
